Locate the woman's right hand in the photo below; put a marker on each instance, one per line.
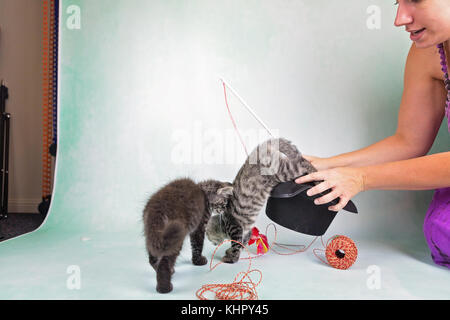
(319, 163)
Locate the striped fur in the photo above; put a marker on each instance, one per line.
(270, 163)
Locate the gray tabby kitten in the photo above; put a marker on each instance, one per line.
(180, 208)
(272, 162)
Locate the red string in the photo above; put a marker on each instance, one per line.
(341, 252)
(245, 288)
(242, 287)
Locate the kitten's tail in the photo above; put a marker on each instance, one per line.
(169, 241)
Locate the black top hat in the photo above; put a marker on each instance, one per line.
(290, 207)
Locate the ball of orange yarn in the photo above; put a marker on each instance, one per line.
(341, 252)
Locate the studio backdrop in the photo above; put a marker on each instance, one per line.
(140, 102)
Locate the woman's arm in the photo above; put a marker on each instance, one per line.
(392, 148)
(383, 165)
(428, 172)
(420, 116)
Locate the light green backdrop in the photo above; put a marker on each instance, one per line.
(139, 88)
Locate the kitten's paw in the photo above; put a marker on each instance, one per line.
(166, 288)
(228, 259)
(199, 261)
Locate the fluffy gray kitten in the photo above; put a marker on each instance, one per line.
(180, 208)
(270, 163)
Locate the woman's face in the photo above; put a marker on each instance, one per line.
(427, 21)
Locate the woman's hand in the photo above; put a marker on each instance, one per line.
(344, 183)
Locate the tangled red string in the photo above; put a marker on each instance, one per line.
(242, 287)
(340, 252)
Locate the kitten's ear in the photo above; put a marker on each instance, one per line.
(225, 191)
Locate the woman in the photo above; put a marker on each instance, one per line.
(400, 161)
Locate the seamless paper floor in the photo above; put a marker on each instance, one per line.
(40, 265)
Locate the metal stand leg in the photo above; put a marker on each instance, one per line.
(4, 153)
(7, 118)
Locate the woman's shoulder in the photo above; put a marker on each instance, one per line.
(427, 60)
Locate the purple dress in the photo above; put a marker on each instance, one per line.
(436, 226)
